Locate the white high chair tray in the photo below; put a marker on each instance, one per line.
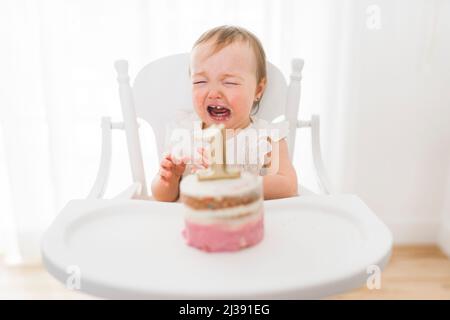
(314, 246)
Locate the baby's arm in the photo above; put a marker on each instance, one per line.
(281, 178)
(166, 184)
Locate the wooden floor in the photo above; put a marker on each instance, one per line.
(414, 272)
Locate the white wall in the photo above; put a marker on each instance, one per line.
(444, 229)
(381, 94)
(389, 133)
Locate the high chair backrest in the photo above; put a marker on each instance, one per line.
(162, 90)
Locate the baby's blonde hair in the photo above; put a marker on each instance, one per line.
(226, 35)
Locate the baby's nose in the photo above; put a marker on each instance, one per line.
(214, 93)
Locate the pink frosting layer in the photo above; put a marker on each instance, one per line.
(220, 237)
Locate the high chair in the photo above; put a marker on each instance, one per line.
(131, 246)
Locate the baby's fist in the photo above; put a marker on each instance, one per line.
(171, 169)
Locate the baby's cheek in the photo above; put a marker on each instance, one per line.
(197, 100)
(241, 104)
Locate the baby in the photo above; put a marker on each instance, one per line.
(228, 74)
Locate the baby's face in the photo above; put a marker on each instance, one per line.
(224, 84)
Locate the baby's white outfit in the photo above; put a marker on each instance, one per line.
(247, 150)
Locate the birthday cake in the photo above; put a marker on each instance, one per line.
(223, 209)
(223, 214)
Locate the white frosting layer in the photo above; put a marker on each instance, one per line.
(231, 222)
(226, 213)
(192, 187)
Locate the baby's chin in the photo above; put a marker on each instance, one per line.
(209, 120)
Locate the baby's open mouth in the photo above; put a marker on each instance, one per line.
(219, 113)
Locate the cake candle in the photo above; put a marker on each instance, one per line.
(218, 169)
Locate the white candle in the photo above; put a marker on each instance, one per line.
(214, 136)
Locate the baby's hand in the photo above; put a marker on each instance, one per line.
(201, 162)
(171, 169)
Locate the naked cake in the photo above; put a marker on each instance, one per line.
(223, 209)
